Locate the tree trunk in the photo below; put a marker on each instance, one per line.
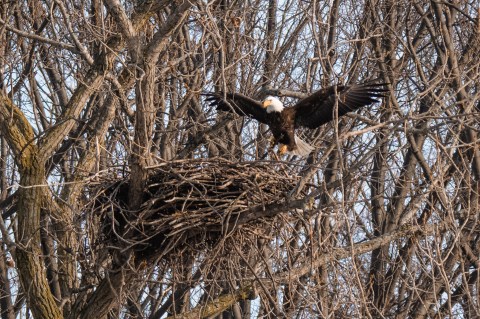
(28, 252)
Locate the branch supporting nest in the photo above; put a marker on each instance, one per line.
(191, 203)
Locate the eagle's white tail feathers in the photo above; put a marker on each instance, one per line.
(303, 148)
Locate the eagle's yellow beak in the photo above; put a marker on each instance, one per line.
(266, 103)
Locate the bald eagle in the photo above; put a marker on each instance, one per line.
(310, 112)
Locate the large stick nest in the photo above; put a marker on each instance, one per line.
(189, 203)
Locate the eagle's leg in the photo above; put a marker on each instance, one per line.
(273, 142)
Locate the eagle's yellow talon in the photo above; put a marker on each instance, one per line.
(282, 149)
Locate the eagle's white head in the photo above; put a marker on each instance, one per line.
(272, 104)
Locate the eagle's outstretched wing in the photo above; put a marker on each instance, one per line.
(238, 103)
(318, 108)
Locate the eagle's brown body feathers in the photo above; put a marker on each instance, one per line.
(311, 112)
(283, 128)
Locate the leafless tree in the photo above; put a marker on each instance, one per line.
(125, 195)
